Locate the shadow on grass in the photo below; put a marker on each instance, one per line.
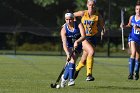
(109, 87)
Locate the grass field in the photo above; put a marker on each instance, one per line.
(33, 74)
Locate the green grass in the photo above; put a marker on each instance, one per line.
(33, 74)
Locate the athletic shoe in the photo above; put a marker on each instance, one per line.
(90, 78)
(63, 82)
(130, 77)
(71, 82)
(136, 76)
(76, 74)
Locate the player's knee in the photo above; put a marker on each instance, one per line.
(133, 55)
(91, 52)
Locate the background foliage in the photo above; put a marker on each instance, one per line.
(50, 14)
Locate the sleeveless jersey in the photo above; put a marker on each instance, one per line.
(135, 34)
(90, 23)
(72, 36)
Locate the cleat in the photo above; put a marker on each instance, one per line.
(71, 82)
(90, 78)
(130, 77)
(76, 74)
(136, 76)
(63, 82)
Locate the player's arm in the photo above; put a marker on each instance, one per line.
(102, 25)
(78, 13)
(64, 40)
(83, 35)
(137, 28)
(128, 25)
(82, 32)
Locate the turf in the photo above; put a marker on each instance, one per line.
(34, 74)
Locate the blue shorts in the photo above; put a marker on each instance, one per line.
(92, 40)
(132, 39)
(129, 38)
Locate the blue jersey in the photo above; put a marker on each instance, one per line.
(135, 34)
(72, 36)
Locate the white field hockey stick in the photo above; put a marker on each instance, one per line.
(122, 22)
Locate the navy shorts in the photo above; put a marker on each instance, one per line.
(92, 40)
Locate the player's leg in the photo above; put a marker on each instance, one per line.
(72, 68)
(71, 73)
(81, 64)
(67, 73)
(89, 60)
(129, 44)
(89, 66)
(65, 76)
(132, 60)
(137, 62)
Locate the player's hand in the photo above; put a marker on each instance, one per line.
(122, 25)
(68, 55)
(135, 27)
(102, 33)
(75, 44)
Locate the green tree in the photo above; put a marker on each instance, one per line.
(44, 3)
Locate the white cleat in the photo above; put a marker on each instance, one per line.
(63, 82)
(71, 82)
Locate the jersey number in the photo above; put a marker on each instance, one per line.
(136, 32)
(88, 30)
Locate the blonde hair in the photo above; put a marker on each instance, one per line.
(92, 0)
(138, 2)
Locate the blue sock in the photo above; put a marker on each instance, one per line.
(137, 66)
(131, 65)
(71, 70)
(66, 72)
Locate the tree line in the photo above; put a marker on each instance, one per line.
(50, 14)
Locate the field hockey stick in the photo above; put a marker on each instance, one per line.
(122, 22)
(62, 71)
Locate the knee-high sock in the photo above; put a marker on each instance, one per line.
(66, 72)
(89, 65)
(79, 66)
(131, 65)
(71, 70)
(137, 66)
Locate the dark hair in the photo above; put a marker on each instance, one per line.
(69, 11)
(138, 2)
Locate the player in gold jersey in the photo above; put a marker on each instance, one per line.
(91, 19)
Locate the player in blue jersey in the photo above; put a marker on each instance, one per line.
(72, 35)
(134, 43)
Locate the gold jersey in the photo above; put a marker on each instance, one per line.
(90, 23)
